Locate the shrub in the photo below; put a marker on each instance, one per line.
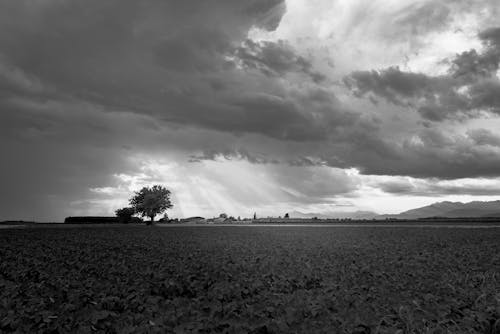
(125, 215)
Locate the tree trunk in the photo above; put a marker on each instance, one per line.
(151, 221)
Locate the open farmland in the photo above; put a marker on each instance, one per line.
(250, 279)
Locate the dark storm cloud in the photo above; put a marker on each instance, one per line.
(470, 65)
(474, 190)
(426, 153)
(164, 59)
(302, 161)
(471, 84)
(447, 156)
(275, 116)
(284, 117)
(104, 51)
(391, 84)
(197, 50)
(233, 154)
(491, 35)
(397, 187)
(484, 137)
(274, 59)
(437, 187)
(435, 98)
(432, 153)
(313, 184)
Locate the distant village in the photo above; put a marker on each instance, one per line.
(221, 219)
(230, 220)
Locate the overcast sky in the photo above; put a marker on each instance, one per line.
(243, 106)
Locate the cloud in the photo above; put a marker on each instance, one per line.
(233, 154)
(484, 137)
(391, 84)
(174, 61)
(431, 153)
(397, 187)
(423, 17)
(405, 186)
(199, 50)
(274, 59)
(470, 86)
(129, 55)
(491, 35)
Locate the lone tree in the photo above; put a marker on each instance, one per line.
(151, 201)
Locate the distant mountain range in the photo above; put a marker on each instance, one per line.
(439, 209)
(451, 210)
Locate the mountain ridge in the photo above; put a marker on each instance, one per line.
(444, 209)
(448, 209)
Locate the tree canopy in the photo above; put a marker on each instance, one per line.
(125, 214)
(150, 202)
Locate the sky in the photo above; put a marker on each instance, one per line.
(243, 106)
